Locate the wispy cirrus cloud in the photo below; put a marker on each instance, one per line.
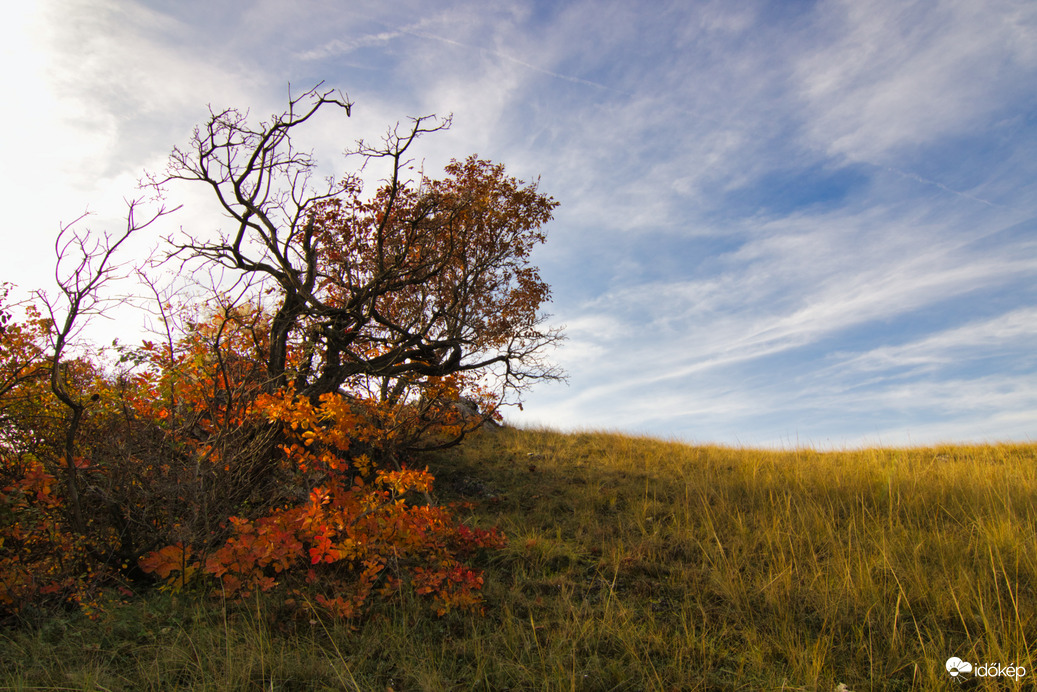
(793, 291)
(1013, 332)
(895, 76)
(338, 47)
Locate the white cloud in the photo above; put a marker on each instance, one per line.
(336, 47)
(902, 74)
(800, 280)
(1012, 331)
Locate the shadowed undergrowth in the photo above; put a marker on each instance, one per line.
(636, 564)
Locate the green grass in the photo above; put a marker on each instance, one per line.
(639, 564)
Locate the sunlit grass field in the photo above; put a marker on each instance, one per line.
(639, 564)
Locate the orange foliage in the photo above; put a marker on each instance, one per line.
(165, 443)
(256, 444)
(355, 533)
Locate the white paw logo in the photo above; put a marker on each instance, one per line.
(956, 666)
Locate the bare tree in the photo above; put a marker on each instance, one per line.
(92, 267)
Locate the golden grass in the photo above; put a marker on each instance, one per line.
(640, 564)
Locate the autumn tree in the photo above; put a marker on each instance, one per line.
(420, 292)
(377, 312)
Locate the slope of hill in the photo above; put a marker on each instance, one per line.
(640, 564)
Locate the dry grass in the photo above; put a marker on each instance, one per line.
(638, 564)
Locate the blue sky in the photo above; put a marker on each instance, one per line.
(781, 223)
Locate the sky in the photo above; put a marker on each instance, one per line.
(781, 224)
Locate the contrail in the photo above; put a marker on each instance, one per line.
(504, 56)
(926, 181)
(414, 30)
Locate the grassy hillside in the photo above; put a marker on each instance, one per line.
(638, 564)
